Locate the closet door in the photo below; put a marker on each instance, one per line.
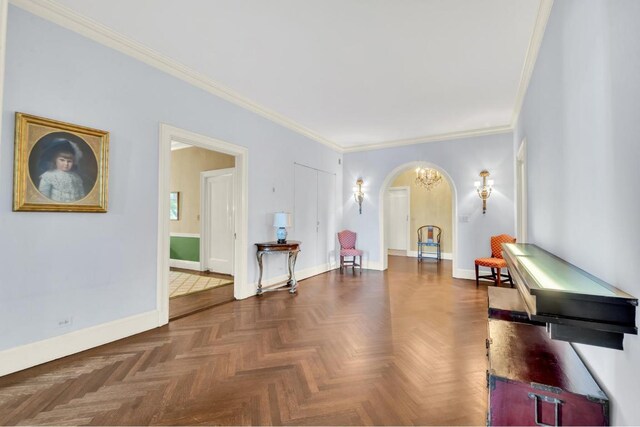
(305, 215)
(326, 246)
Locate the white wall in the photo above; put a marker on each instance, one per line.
(462, 160)
(99, 268)
(582, 124)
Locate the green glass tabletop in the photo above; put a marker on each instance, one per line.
(553, 273)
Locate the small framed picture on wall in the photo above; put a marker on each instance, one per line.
(59, 167)
(174, 206)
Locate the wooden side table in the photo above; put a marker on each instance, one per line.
(291, 248)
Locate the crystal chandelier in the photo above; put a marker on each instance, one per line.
(428, 178)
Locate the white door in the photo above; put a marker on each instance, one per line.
(326, 211)
(218, 227)
(305, 215)
(399, 218)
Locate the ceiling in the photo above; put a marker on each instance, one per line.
(354, 73)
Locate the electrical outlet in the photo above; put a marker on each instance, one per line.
(65, 322)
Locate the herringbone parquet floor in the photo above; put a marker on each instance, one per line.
(401, 347)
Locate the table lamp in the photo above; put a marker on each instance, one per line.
(281, 220)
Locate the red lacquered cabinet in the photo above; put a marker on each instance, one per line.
(534, 380)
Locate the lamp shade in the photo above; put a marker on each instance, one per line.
(282, 219)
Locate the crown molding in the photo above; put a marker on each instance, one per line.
(93, 30)
(431, 138)
(544, 11)
(67, 18)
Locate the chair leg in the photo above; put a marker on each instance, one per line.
(341, 264)
(510, 278)
(360, 264)
(477, 280)
(499, 278)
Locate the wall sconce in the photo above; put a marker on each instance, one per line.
(281, 220)
(484, 190)
(358, 194)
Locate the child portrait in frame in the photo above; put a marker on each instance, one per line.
(59, 166)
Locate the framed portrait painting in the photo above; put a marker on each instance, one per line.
(59, 166)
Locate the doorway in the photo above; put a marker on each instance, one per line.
(404, 175)
(198, 272)
(398, 220)
(201, 229)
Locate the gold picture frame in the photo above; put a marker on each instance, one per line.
(59, 167)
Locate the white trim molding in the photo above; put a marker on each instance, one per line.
(67, 18)
(28, 355)
(464, 274)
(188, 235)
(189, 265)
(496, 130)
(443, 255)
(102, 34)
(544, 11)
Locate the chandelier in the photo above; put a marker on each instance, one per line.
(428, 178)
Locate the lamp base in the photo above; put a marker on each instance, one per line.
(281, 234)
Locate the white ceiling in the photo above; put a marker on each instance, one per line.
(353, 72)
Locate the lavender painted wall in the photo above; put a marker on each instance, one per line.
(580, 118)
(98, 268)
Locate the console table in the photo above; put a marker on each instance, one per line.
(291, 248)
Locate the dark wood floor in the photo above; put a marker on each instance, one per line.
(401, 347)
(191, 303)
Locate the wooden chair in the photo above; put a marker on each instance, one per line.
(429, 236)
(495, 262)
(347, 241)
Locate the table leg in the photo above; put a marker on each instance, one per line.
(292, 272)
(259, 256)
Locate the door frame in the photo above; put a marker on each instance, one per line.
(204, 214)
(521, 192)
(406, 189)
(170, 133)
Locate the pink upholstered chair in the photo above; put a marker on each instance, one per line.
(347, 241)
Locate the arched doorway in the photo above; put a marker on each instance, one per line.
(383, 210)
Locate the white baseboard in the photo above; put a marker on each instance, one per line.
(464, 274)
(300, 275)
(443, 255)
(470, 274)
(189, 265)
(373, 265)
(28, 355)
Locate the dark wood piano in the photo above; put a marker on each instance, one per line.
(575, 305)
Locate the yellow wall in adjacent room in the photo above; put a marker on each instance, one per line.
(186, 165)
(428, 208)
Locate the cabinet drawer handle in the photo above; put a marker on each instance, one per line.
(556, 403)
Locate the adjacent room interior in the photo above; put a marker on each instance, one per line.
(201, 241)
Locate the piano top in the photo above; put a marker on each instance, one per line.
(550, 273)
